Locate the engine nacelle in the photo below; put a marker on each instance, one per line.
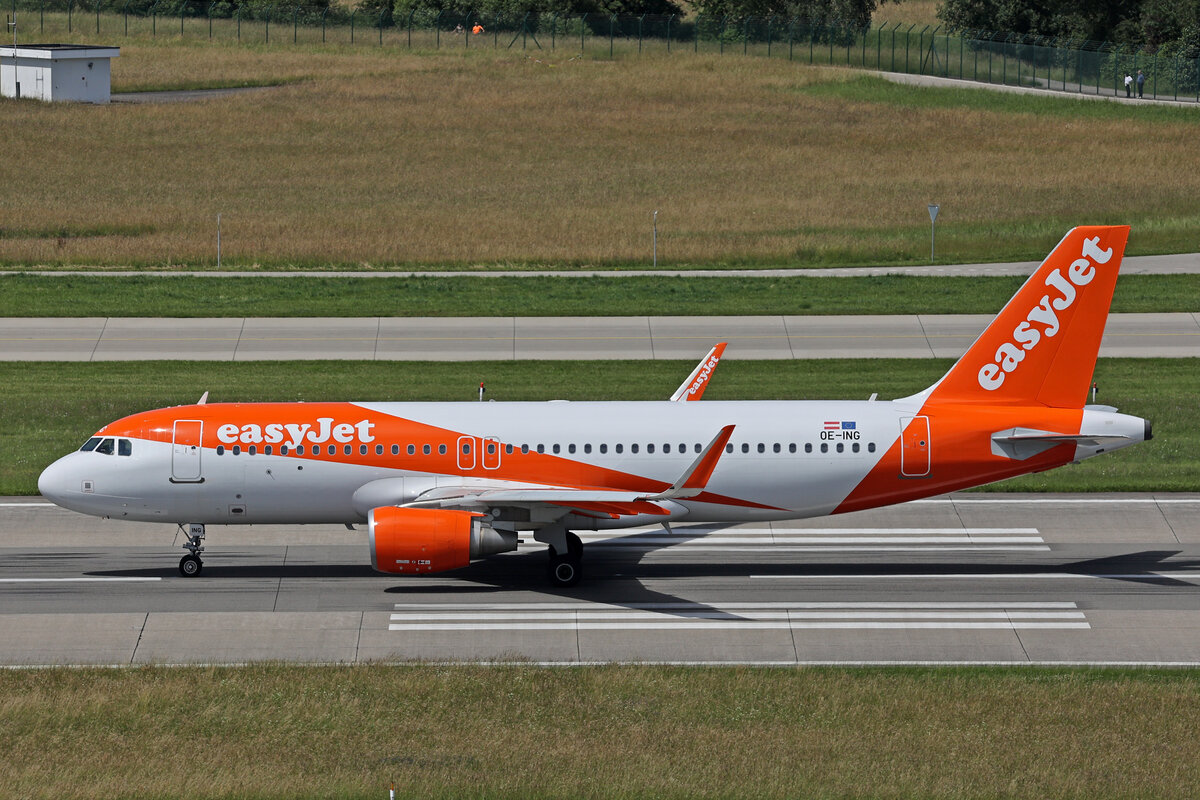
(408, 540)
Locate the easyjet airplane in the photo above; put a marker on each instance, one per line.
(440, 484)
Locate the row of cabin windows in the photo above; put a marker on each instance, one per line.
(426, 449)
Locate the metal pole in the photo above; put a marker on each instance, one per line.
(656, 239)
(933, 212)
(218, 241)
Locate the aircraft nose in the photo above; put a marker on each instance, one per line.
(53, 483)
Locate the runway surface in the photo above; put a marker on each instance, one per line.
(962, 579)
(1173, 264)
(507, 338)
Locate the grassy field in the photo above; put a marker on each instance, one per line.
(379, 156)
(49, 409)
(88, 296)
(622, 732)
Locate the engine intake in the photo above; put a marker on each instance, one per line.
(409, 540)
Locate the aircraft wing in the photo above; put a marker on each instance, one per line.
(693, 388)
(608, 502)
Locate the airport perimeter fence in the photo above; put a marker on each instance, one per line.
(1010, 59)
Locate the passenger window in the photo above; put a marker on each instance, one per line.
(745, 447)
(466, 448)
(299, 449)
(349, 449)
(237, 449)
(332, 449)
(633, 448)
(650, 448)
(617, 448)
(824, 447)
(777, 448)
(441, 449)
(524, 448)
(587, 448)
(870, 447)
(666, 447)
(808, 447)
(283, 449)
(792, 447)
(854, 447)
(762, 448)
(603, 448)
(841, 447)
(508, 449)
(728, 448)
(124, 447)
(491, 449)
(90, 444)
(571, 448)
(556, 449)
(395, 449)
(252, 450)
(699, 448)
(378, 450)
(426, 449)
(105, 447)
(412, 449)
(268, 450)
(220, 449)
(541, 448)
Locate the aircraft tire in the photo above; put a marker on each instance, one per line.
(564, 571)
(190, 566)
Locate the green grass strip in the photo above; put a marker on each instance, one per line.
(49, 408)
(97, 296)
(603, 732)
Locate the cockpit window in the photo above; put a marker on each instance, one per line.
(105, 447)
(124, 447)
(90, 445)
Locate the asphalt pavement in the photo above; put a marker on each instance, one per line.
(1174, 335)
(967, 578)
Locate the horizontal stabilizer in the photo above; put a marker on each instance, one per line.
(1023, 443)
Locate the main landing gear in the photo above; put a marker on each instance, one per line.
(190, 565)
(565, 565)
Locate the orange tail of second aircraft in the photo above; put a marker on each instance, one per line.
(1041, 349)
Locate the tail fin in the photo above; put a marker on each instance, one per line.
(1041, 348)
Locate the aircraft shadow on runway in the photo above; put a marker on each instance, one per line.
(617, 576)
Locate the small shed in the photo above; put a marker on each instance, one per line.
(78, 72)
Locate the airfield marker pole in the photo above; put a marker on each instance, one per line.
(933, 212)
(218, 241)
(655, 222)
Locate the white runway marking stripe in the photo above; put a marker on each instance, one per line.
(820, 539)
(77, 580)
(742, 616)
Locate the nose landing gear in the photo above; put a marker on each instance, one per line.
(190, 565)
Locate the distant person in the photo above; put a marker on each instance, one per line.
(458, 29)
(1141, 82)
(1128, 85)
(477, 29)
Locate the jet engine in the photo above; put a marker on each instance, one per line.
(408, 540)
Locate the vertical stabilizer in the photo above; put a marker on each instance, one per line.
(1041, 348)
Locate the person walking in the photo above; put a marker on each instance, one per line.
(1128, 85)
(1141, 82)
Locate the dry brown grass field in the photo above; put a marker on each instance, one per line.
(379, 156)
(627, 732)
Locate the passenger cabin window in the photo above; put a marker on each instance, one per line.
(603, 448)
(252, 450)
(268, 450)
(618, 448)
(633, 448)
(441, 449)
(299, 449)
(425, 449)
(283, 449)
(808, 447)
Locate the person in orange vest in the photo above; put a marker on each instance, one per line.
(478, 29)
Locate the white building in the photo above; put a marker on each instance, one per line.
(78, 72)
